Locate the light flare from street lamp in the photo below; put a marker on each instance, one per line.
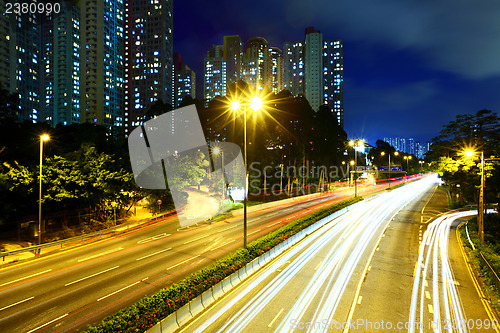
(235, 105)
(45, 137)
(469, 153)
(256, 103)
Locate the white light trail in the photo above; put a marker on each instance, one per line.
(435, 245)
(349, 238)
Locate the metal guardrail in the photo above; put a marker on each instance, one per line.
(36, 249)
(493, 275)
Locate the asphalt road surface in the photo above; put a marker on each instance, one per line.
(356, 274)
(64, 292)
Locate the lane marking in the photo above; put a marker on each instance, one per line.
(9, 306)
(224, 244)
(276, 317)
(426, 284)
(116, 292)
(479, 291)
(152, 254)
(427, 294)
(153, 238)
(196, 239)
(360, 298)
(88, 277)
(101, 254)
(256, 231)
(24, 278)
(182, 262)
(50, 322)
(271, 214)
(318, 265)
(431, 309)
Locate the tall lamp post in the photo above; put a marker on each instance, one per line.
(216, 152)
(43, 138)
(480, 208)
(407, 158)
(395, 154)
(421, 162)
(255, 104)
(355, 144)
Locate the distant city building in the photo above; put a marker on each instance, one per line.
(409, 146)
(313, 55)
(294, 68)
(257, 65)
(149, 51)
(185, 80)
(60, 98)
(215, 73)
(21, 67)
(276, 79)
(333, 77)
(102, 79)
(233, 56)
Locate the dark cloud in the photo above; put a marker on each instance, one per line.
(410, 66)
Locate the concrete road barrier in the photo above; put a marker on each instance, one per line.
(183, 315)
(207, 297)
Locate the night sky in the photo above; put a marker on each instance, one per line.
(409, 66)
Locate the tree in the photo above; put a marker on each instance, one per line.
(479, 132)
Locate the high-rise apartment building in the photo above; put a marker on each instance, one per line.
(411, 146)
(102, 80)
(60, 99)
(233, 56)
(149, 71)
(277, 75)
(185, 80)
(294, 68)
(23, 42)
(314, 67)
(215, 73)
(333, 78)
(4, 49)
(257, 66)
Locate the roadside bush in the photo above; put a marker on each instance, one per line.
(149, 310)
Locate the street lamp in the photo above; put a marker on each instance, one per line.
(256, 104)
(480, 208)
(407, 158)
(216, 152)
(395, 154)
(421, 162)
(354, 144)
(43, 138)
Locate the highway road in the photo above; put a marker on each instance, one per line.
(355, 274)
(65, 292)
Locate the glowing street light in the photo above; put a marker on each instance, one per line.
(43, 138)
(354, 144)
(256, 104)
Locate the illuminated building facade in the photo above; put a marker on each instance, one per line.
(215, 73)
(149, 71)
(294, 68)
(333, 77)
(185, 80)
(102, 69)
(61, 66)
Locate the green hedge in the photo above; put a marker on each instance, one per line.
(148, 311)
